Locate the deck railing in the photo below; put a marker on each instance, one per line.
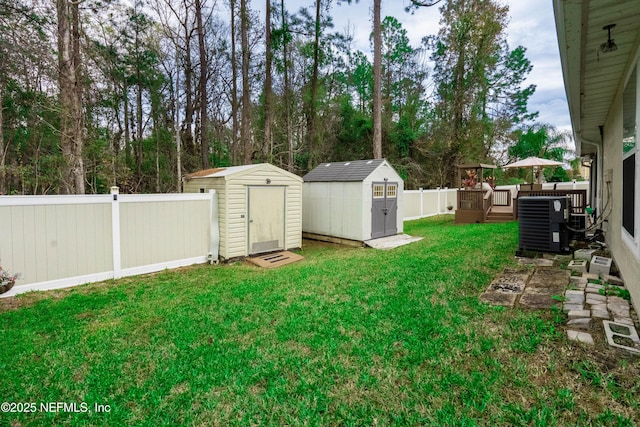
(501, 197)
(471, 200)
(578, 198)
(487, 201)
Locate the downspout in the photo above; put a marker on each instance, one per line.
(598, 195)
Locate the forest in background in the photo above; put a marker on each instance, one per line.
(139, 93)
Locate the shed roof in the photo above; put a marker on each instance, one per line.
(237, 171)
(356, 170)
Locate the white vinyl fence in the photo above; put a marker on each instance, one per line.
(60, 241)
(425, 203)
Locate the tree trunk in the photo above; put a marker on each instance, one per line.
(311, 109)
(204, 146)
(3, 172)
(127, 133)
(245, 129)
(266, 146)
(188, 91)
(287, 92)
(235, 152)
(377, 81)
(139, 127)
(176, 122)
(70, 82)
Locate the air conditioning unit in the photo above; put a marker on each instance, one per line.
(543, 224)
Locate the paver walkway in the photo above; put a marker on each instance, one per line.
(587, 304)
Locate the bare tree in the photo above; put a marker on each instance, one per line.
(204, 146)
(268, 86)
(377, 81)
(245, 129)
(71, 85)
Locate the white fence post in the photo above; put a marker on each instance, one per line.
(214, 229)
(446, 197)
(439, 207)
(115, 232)
(421, 202)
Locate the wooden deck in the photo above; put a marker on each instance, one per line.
(477, 206)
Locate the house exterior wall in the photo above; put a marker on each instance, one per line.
(334, 209)
(233, 205)
(627, 257)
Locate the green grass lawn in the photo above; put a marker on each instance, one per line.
(346, 336)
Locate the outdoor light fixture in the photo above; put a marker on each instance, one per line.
(609, 45)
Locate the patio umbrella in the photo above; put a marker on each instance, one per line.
(533, 162)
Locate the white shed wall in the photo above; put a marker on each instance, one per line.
(333, 209)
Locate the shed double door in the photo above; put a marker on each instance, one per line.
(266, 219)
(384, 209)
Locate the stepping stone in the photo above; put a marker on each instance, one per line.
(577, 280)
(574, 296)
(590, 276)
(613, 280)
(583, 322)
(578, 336)
(575, 314)
(593, 302)
(572, 307)
(593, 288)
(540, 262)
(599, 314)
(598, 306)
(597, 297)
(618, 300)
(618, 310)
(498, 298)
(624, 320)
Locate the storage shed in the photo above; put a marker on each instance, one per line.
(353, 201)
(259, 206)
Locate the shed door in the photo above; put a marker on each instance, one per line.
(384, 209)
(266, 219)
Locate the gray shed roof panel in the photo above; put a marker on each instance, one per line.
(356, 170)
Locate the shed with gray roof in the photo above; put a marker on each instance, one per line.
(352, 201)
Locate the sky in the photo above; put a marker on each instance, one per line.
(531, 25)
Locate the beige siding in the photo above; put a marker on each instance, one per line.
(157, 232)
(232, 204)
(626, 257)
(237, 221)
(218, 184)
(237, 200)
(45, 242)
